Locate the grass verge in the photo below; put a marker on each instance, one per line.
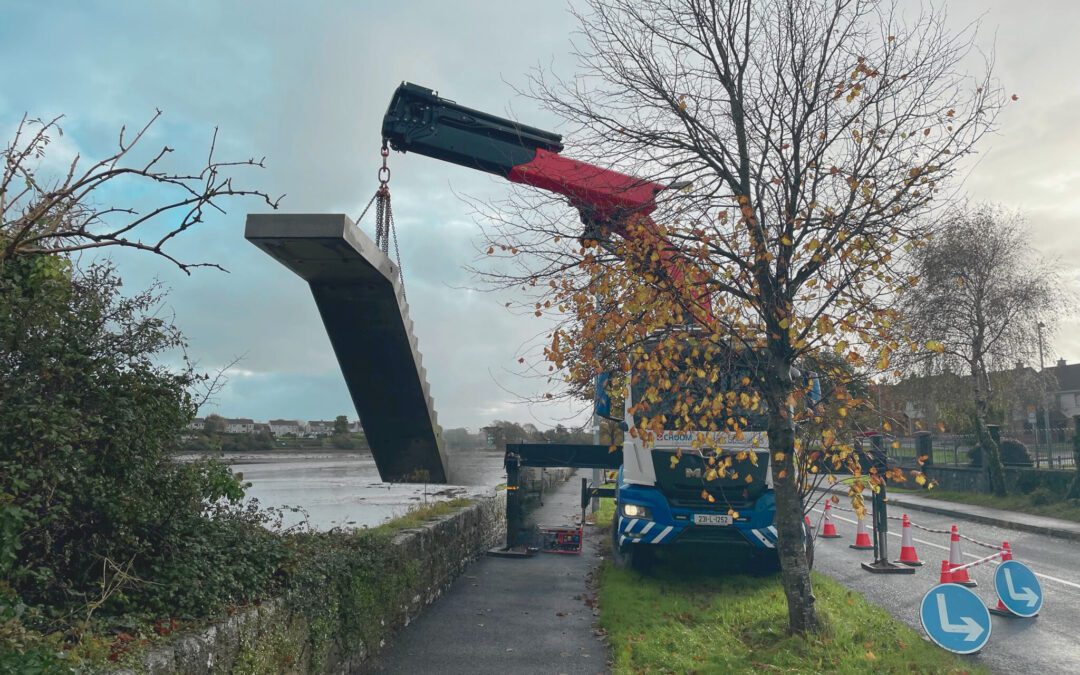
(674, 622)
(1034, 504)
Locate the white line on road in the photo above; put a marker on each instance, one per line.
(946, 548)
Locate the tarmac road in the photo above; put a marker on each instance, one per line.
(1048, 643)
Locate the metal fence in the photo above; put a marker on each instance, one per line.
(952, 450)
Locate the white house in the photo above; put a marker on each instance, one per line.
(239, 425)
(319, 428)
(282, 427)
(197, 424)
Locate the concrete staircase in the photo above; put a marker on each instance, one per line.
(359, 296)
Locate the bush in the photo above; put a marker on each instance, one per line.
(96, 519)
(1013, 453)
(1042, 496)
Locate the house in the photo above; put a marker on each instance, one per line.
(197, 424)
(283, 427)
(239, 425)
(1067, 395)
(318, 428)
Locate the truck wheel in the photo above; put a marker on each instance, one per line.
(637, 557)
(622, 556)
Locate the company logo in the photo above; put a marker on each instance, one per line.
(677, 436)
(693, 473)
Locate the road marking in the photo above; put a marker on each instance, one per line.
(970, 555)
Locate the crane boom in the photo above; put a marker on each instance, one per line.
(419, 120)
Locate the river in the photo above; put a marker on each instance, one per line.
(344, 489)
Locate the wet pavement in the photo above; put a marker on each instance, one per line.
(531, 615)
(1048, 643)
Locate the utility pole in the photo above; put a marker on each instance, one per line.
(1046, 405)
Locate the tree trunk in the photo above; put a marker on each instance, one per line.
(795, 569)
(991, 452)
(1074, 487)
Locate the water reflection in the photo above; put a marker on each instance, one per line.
(344, 490)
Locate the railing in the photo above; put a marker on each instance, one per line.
(952, 450)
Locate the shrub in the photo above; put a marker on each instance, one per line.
(96, 519)
(1042, 496)
(1013, 453)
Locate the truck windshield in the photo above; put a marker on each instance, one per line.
(696, 389)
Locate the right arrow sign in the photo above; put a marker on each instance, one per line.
(955, 619)
(1018, 588)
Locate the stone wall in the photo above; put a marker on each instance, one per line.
(1017, 480)
(536, 482)
(272, 638)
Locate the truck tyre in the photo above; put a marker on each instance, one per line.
(631, 556)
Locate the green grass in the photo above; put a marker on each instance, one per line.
(672, 621)
(1057, 508)
(418, 516)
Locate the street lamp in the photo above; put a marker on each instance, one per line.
(1046, 406)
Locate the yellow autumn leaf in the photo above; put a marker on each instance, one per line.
(935, 346)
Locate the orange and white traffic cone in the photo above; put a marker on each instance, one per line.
(956, 560)
(946, 572)
(828, 530)
(862, 538)
(907, 546)
(1001, 609)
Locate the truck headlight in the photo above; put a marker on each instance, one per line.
(635, 511)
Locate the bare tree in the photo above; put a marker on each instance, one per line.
(980, 295)
(815, 133)
(59, 214)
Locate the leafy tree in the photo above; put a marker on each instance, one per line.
(214, 424)
(341, 426)
(815, 133)
(980, 294)
(92, 502)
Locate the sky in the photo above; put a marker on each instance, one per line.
(305, 85)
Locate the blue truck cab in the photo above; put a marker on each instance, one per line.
(681, 486)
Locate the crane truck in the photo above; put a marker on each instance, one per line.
(665, 495)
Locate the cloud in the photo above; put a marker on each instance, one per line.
(306, 84)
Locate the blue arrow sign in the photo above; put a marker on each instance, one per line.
(1018, 588)
(955, 618)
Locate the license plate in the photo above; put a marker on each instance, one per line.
(711, 519)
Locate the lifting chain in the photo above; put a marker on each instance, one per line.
(384, 216)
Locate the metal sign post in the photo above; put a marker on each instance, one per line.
(882, 564)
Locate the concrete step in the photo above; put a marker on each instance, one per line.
(359, 296)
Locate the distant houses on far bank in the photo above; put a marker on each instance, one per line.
(296, 428)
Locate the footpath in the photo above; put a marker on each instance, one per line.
(1013, 520)
(530, 615)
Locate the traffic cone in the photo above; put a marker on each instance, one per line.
(862, 538)
(907, 546)
(955, 560)
(1001, 609)
(828, 531)
(946, 572)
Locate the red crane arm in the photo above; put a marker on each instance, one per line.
(420, 121)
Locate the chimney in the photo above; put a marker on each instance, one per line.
(1019, 365)
(1061, 363)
